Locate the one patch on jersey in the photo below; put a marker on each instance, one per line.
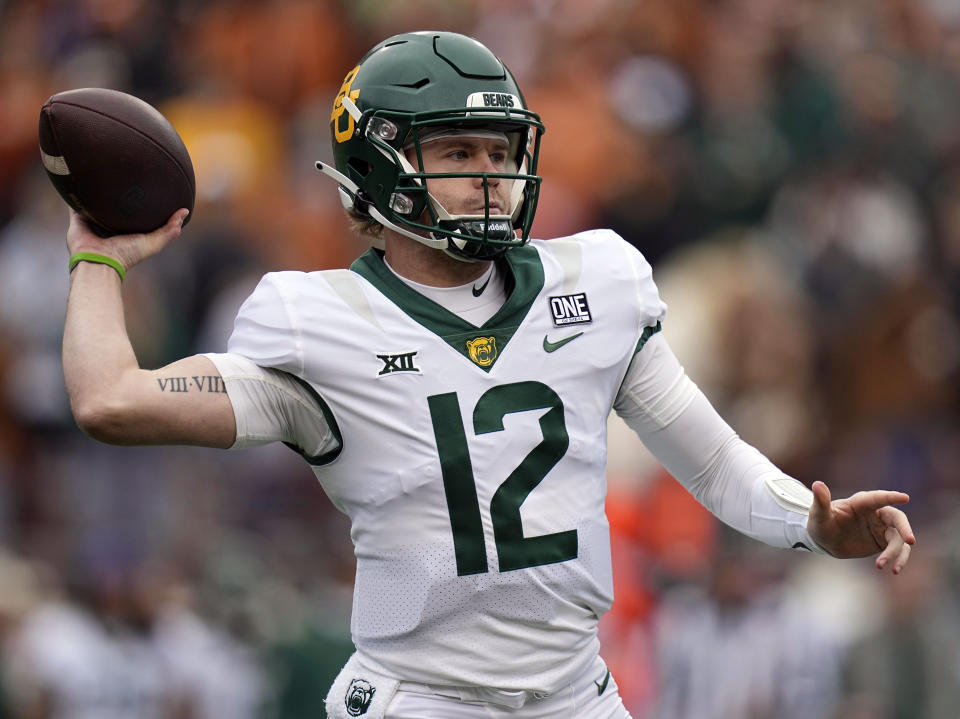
(359, 695)
(482, 350)
(397, 362)
(570, 309)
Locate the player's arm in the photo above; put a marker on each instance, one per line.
(112, 398)
(739, 484)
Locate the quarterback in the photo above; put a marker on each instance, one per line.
(451, 391)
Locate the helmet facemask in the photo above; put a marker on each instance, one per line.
(475, 237)
(411, 210)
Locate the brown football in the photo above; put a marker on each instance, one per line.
(115, 159)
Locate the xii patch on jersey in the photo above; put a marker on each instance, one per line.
(400, 362)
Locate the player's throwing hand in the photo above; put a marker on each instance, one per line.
(128, 250)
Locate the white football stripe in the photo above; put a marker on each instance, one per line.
(55, 164)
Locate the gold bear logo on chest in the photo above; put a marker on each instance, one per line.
(482, 350)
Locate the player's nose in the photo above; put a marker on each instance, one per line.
(487, 166)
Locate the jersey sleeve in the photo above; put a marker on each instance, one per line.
(274, 406)
(262, 371)
(652, 309)
(610, 262)
(264, 331)
(627, 273)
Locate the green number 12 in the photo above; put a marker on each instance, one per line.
(514, 551)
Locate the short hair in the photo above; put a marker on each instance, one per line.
(363, 225)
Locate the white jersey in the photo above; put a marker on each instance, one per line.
(470, 460)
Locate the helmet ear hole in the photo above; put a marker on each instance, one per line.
(359, 166)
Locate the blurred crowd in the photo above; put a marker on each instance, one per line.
(790, 167)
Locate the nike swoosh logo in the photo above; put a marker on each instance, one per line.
(477, 291)
(549, 346)
(603, 685)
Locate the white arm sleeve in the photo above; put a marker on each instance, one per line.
(725, 474)
(273, 406)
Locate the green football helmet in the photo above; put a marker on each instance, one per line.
(420, 85)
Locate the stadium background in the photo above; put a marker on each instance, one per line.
(790, 167)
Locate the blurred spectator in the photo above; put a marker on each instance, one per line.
(746, 336)
(739, 647)
(908, 667)
(32, 310)
(90, 655)
(660, 537)
(23, 590)
(216, 675)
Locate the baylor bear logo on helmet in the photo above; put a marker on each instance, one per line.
(359, 695)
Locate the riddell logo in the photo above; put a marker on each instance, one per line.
(570, 309)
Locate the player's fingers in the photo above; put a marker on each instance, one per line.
(894, 543)
(897, 551)
(897, 519)
(820, 509)
(162, 236)
(173, 226)
(877, 499)
(902, 558)
(180, 216)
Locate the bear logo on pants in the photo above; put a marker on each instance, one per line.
(359, 695)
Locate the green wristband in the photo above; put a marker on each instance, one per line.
(98, 259)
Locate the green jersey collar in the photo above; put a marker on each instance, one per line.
(481, 345)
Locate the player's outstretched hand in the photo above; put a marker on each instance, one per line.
(862, 525)
(128, 250)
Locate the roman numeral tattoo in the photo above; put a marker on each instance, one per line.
(208, 383)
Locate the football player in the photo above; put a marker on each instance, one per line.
(451, 392)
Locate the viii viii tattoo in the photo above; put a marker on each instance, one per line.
(192, 384)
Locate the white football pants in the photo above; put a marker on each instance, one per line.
(594, 695)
